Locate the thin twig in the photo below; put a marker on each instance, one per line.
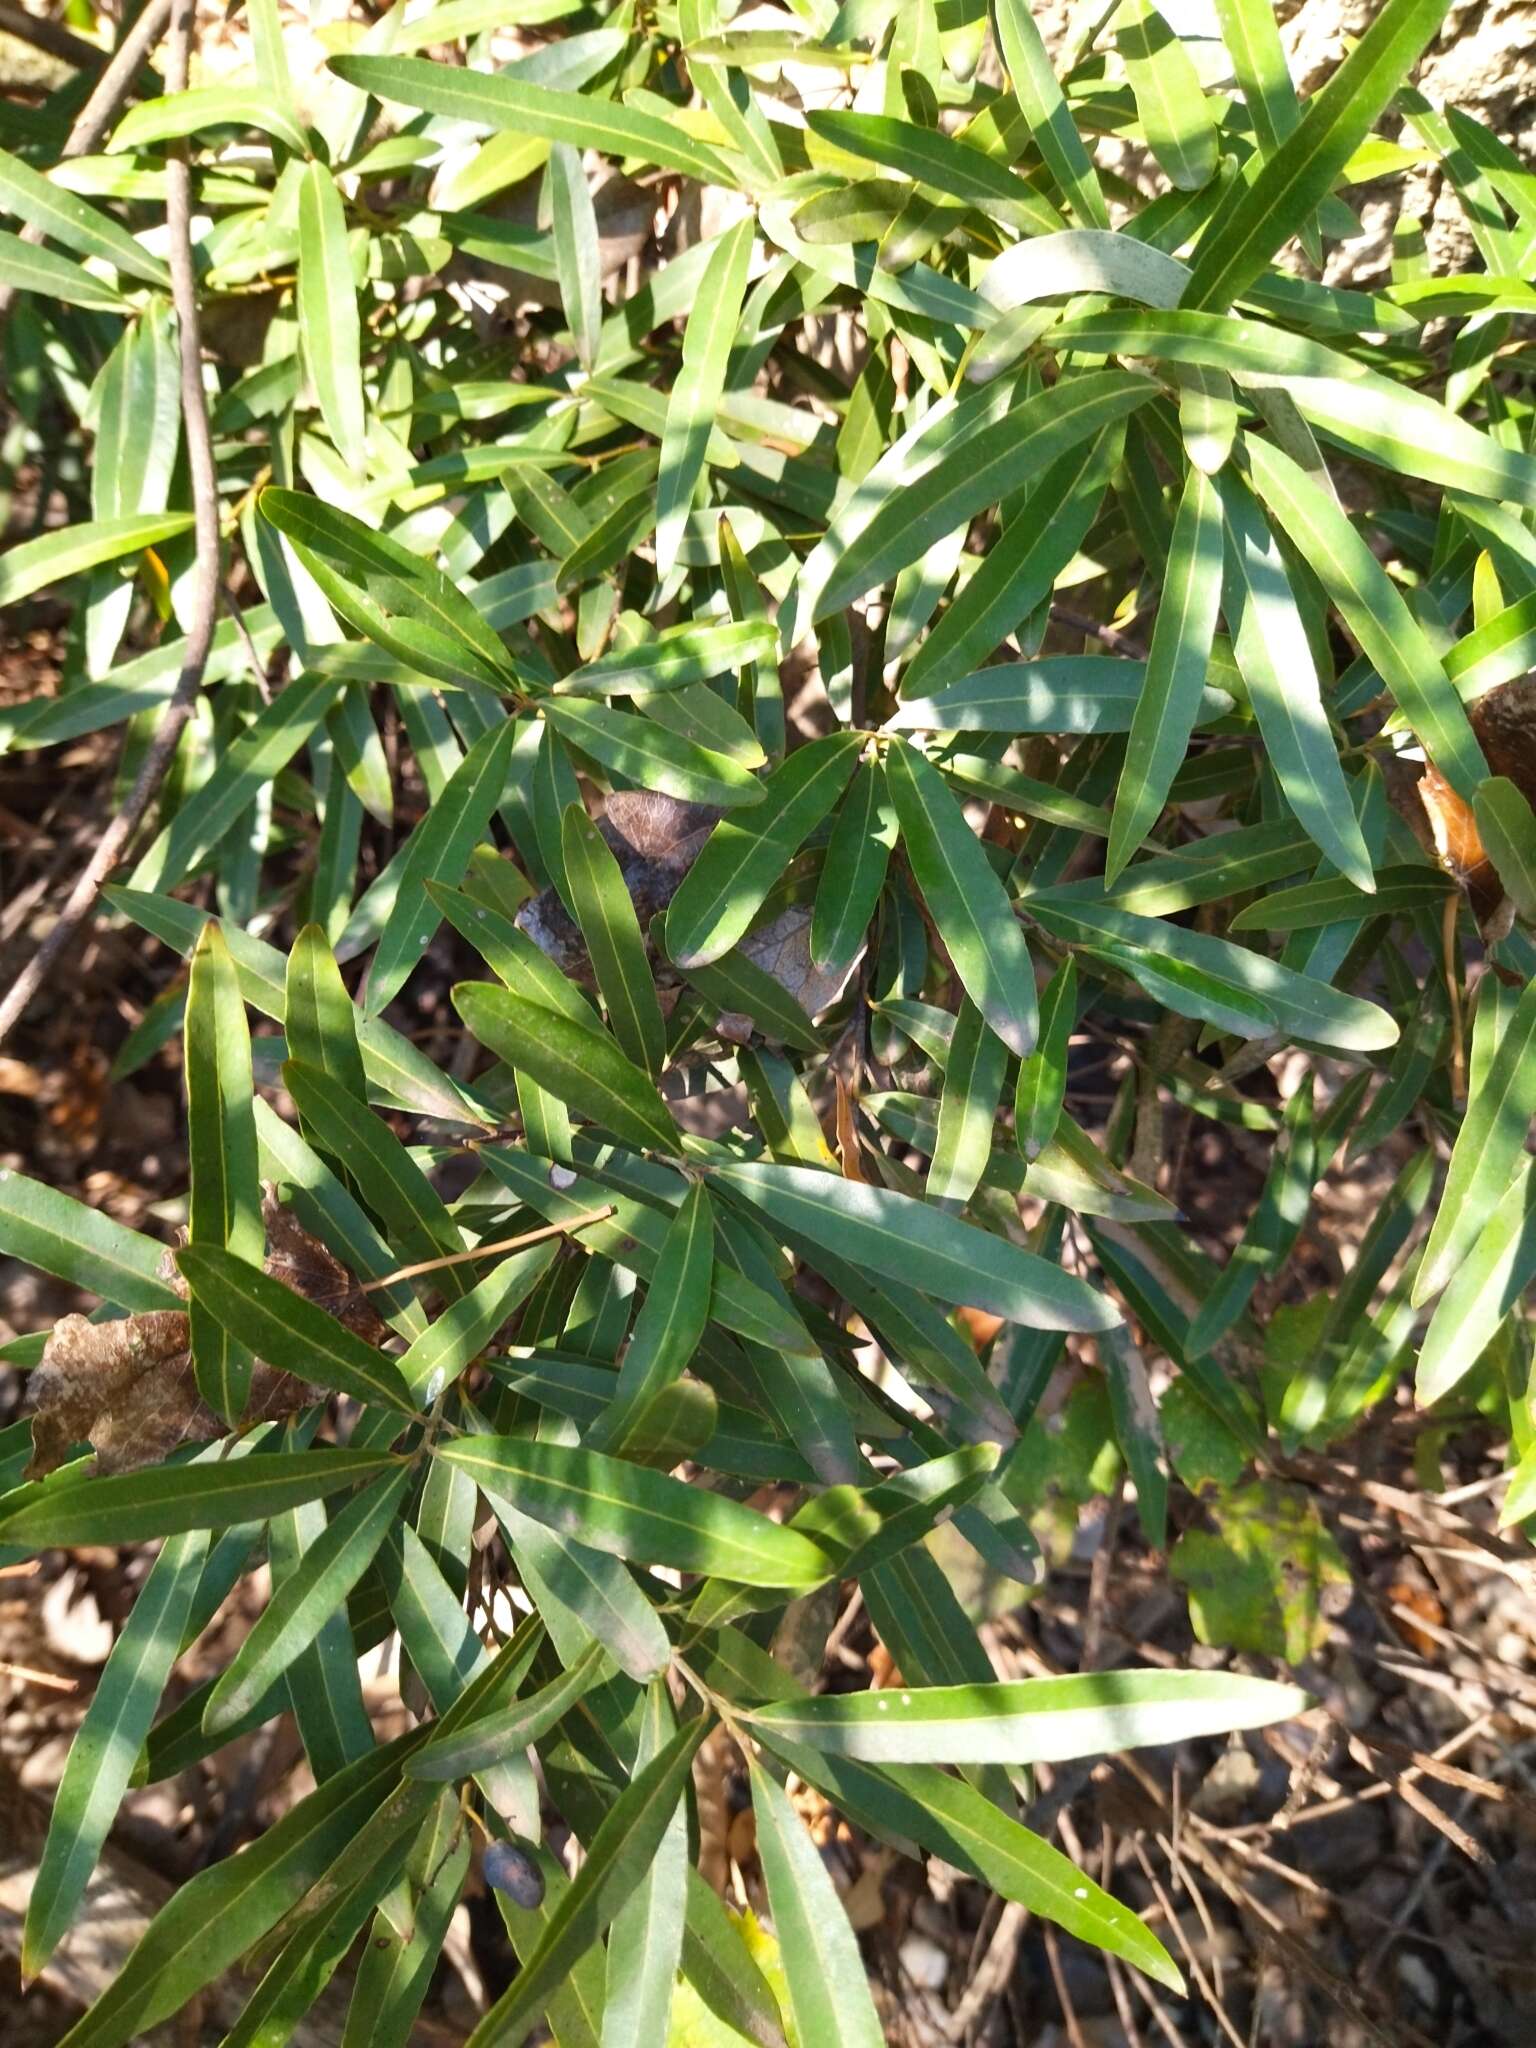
(51, 37)
(1111, 636)
(107, 95)
(161, 751)
(31, 1677)
(485, 1251)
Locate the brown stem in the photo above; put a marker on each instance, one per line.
(205, 594)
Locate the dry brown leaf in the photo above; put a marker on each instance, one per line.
(129, 1389)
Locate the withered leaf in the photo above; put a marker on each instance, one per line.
(128, 1388)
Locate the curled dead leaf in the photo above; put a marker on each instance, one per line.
(128, 1388)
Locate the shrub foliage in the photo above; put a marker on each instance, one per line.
(823, 573)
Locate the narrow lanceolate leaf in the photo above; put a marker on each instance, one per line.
(670, 1324)
(581, 1066)
(615, 944)
(65, 217)
(964, 896)
(743, 858)
(319, 1020)
(1272, 1229)
(300, 1606)
(1507, 827)
(617, 1857)
(1059, 693)
(438, 851)
(1275, 657)
(645, 1943)
(1411, 434)
(1177, 661)
(634, 1513)
(973, 1084)
(1043, 105)
(979, 472)
(224, 1208)
(137, 1507)
(86, 1247)
(691, 653)
(219, 1914)
(590, 1587)
(249, 765)
(24, 268)
(520, 107)
(290, 1331)
(577, 257)
(1252, 38)
(1041, 1720)
(696, 394)
(1488, 1285)
(455, 1338)
(853, 874)
(1493, 1132)
(824, 1973)
(1042, 1082)
(882, 1232)
(1374, 610)
(651, 757)
(1258, 218)
(943, 162)
(491, 1737)
(37, 563)
(107, 1744)
(1176, 117)
(330, 332)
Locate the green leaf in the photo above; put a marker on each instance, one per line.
(304, 1600)
(644, 1516)
(1272, 1229)
(650, 757)
(973, 1086)
(829, 1998)
(1275, 656)
(615, 944)
(224, 1209)
(578, 259)
(581, 1066)
(1374, 610)
(438, 850)
(108, 1741)
(138, 1507)
(1411, 434)
(964, 897)
(1169, 705)
(1061, 693)
(942, 162)
(1317, 903)
(741, 861)
(669, 1327)
(882, 1232)
(1043, 105)
(1252, 37)
(858, 854)
(325, 299)
(188, 112)
(1177, 119)
(520, 107)
(1259, 216)
(1500, 1105)
(250, 764)
(63, 217)
(699, 385)
(692, 653)
(319, 1020)
(619, 1854)
(290, 1331)
(593, 1590)
(53, 556)
(1488, 1285)
(1258, 1582)
(645, 1944)
(490, 1737)
(1507, 827)
(24, 268)
(967, 479)
(1042, 1084)
(216, 1916)
(86, 1247)
(1040, 1720)
(450, 1343)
